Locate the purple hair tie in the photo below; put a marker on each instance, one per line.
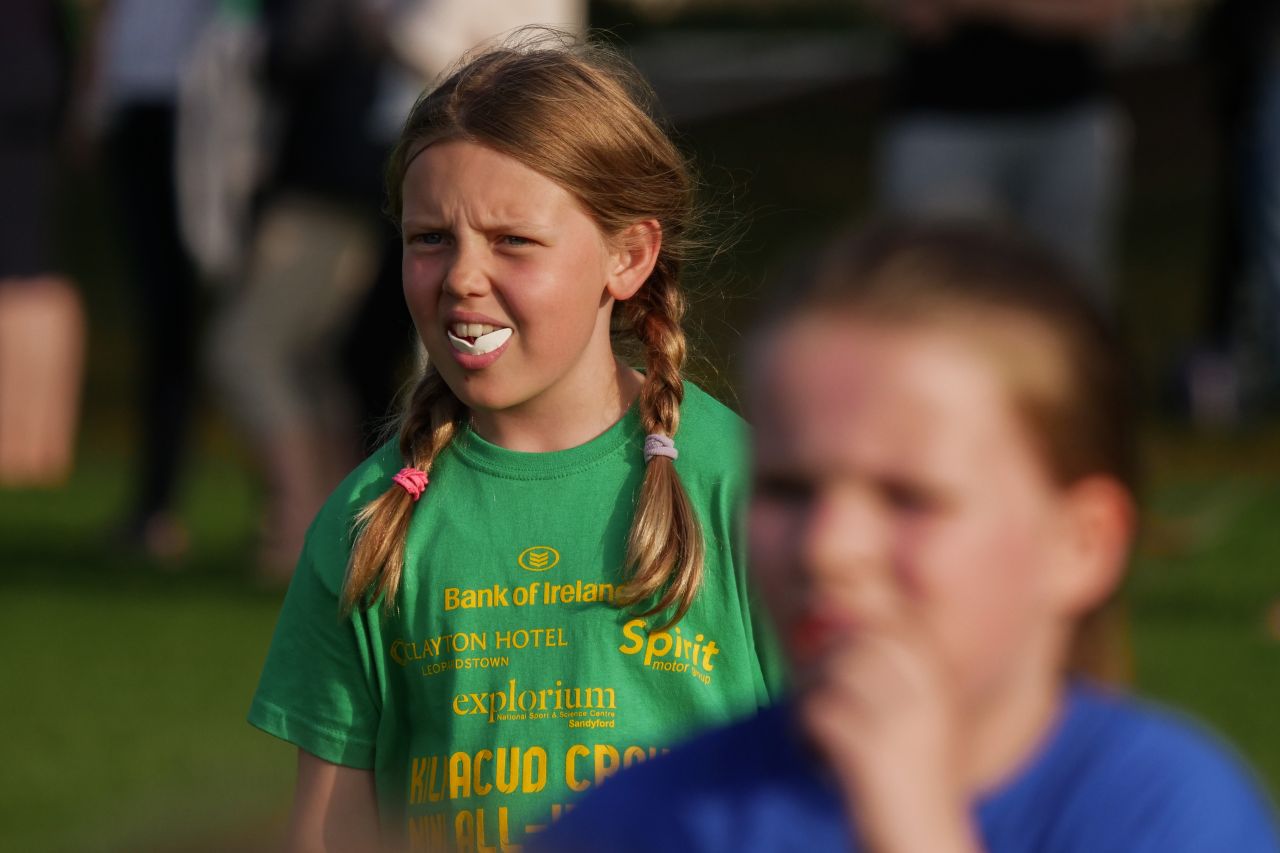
(657, 444)
(412, 480)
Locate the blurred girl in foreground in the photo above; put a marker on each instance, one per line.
(944, 491)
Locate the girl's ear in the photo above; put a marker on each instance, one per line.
(1101, 519)
(633, 258)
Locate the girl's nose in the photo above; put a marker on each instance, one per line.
(466, 275)
(845, 541)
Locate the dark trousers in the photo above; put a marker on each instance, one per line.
(141, 153)
(379, 347)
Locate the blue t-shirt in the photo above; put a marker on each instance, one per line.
(1112, 776)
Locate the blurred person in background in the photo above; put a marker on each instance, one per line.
(312, 345)
(1240, 358)
(1000, 109)
(41, 317)
(312, 255)
(944, 487)
(137, 55)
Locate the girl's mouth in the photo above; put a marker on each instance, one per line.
(476, 338)
(813, 634)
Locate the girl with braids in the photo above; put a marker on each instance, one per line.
(540, 582)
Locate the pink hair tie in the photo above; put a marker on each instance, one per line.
(657, 444)
(413, 480)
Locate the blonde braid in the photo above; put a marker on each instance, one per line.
(431, 420)
(665, 548)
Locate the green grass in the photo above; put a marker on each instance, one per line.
(128, 682)
(1203, 586)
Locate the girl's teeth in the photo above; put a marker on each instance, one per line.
(483, 343)
(471, 330)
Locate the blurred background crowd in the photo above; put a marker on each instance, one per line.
(201, 326)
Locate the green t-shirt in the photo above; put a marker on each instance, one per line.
(506, 683)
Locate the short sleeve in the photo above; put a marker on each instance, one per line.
(318, 686)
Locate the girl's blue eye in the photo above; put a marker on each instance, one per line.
(429, 238)
(512, 240)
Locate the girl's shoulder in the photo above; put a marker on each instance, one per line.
(712, 441)
(1121, 768)
(709, 426)
(367, 481)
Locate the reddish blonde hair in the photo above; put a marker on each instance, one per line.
(580, 115)
(1065, 370)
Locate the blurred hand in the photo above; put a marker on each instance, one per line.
(875, 703)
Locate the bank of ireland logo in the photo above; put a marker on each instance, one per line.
(539, 558)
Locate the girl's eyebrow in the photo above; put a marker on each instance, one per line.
(428, 219)
(517, 225)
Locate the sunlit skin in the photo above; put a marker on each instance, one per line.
(488, 240)
(923, 569)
